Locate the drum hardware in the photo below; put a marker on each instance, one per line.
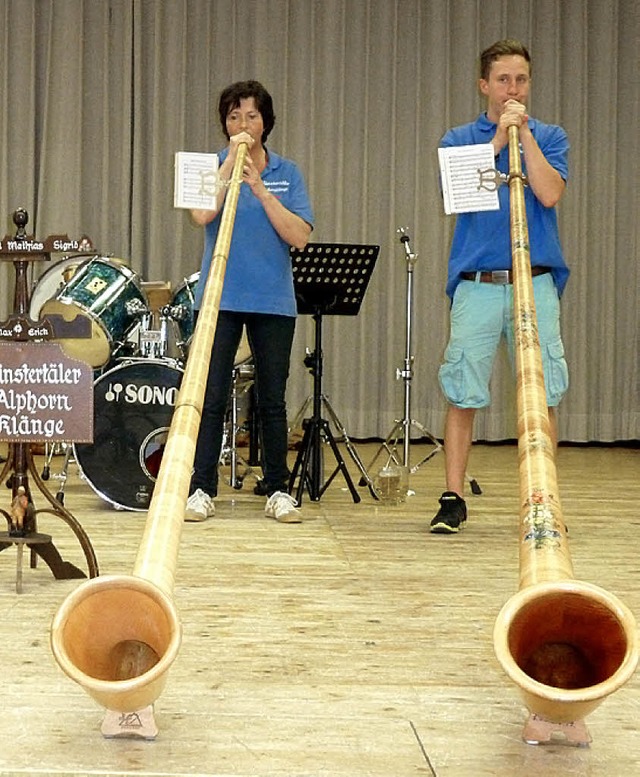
(329, 278)
(154, 342)
(402, 428)
(50, 452)
(177, 312)
(241, 382)
(136, 308)
(153, 333)
(69, 271)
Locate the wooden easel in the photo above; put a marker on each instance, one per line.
(21, 333)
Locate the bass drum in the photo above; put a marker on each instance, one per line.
(133, 406)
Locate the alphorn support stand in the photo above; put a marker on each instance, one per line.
(402, 427)
(22, 517)
(329, 278)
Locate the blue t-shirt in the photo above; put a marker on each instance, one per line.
(258, 276)
(482, 241)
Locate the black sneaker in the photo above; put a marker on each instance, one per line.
(451, 516)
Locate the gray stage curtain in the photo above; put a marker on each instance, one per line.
(97, 95)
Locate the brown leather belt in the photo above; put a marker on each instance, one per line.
(501, 277)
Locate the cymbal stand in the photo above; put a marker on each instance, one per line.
(229, 454)
(402, 427)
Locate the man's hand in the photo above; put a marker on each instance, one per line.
(514, 115)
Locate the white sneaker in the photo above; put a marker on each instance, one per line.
(199, 506)
(282, 507)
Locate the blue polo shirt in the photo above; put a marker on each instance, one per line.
(258, 276)
(482, 241)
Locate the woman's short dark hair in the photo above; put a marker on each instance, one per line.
(242, 90)
(501, 48)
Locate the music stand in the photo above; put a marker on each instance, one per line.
(329, 279)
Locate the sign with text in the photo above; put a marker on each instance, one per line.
(18, 246)
(53, 326)
(44, 395)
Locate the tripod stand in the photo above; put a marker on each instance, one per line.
(402, 427)
(328, 278)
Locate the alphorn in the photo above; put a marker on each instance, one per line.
(118, 635)
(567, 644)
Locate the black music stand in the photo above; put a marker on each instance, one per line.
(329, 279)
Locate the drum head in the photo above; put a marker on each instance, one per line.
(95, 350)
(133, 407)
(52, 280)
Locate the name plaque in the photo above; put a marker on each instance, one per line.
(45, 396)
(53, 327)
(28, 244)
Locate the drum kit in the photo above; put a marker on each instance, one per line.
(140, 337)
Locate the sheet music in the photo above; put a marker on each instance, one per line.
(196, 180)
(461, 170)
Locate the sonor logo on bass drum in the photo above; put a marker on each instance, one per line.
(144, 394)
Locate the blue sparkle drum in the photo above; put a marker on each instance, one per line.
(181, 312)
(110, 295)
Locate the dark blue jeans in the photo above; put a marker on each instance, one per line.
(271, 339)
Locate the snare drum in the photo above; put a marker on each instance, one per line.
(133, 406)
(109, 293)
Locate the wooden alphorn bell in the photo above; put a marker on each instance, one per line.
(567, 644)
(117, 636)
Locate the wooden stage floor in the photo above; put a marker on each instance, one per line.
(352, 644)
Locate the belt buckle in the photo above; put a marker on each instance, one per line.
(500, 277)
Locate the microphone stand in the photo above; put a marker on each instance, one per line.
(402, 427)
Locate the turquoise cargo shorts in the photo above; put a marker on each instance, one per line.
(481, 315)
